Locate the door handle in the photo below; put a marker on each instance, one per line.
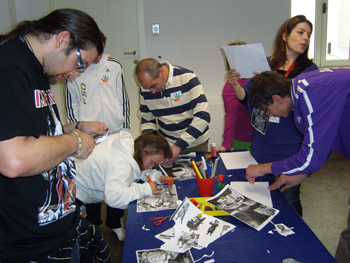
(133, 53)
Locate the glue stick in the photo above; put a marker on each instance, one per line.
(213, 149)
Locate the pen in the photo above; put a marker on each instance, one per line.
(204, 164)
(202, 172)
(215, 166)
(163, 171)
(149, 178)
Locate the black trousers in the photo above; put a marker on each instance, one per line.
(113, 217)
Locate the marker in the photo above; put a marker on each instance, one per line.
(149, 178)
(171, 179)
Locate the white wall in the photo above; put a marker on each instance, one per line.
(191, 35)
(5, 16)
(193, 31)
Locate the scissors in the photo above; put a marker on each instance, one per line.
(158, 220)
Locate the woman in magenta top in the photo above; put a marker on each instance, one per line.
(238, 131)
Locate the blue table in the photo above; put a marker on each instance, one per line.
(245, 244)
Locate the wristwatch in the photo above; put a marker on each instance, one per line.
(77, 125)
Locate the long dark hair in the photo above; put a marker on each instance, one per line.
(150, 143)
(81, 26)
(279, 56)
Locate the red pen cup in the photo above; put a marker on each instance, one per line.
(205, 186)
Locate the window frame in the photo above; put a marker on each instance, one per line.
(320, 37)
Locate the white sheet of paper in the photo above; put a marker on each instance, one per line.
(237, 160)
(257, 191)
(246, 59)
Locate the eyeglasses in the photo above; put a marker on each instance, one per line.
(151, 163)
(80, 67)
(265, 114)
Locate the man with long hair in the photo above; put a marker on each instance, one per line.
(39, 220)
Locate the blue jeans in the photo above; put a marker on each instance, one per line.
(293, 196)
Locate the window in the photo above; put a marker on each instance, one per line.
(330, 43)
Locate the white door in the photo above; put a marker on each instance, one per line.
(118, 20)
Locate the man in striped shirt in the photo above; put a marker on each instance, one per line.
(172, 101)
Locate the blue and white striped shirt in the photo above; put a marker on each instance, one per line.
(181, 110)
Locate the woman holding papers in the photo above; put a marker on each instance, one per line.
(238, 132)
(274, 138)
(111, 172)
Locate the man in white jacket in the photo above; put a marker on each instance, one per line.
(100, 94)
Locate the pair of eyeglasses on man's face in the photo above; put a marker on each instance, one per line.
(80, 67)
(265, 114)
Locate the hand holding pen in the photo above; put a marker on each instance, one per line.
(153, 185)
(165, 179)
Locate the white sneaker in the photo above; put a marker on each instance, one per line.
(120, 232)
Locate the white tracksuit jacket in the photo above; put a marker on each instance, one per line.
(99, 94)
(110, 172)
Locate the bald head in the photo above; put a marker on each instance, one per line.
(148, 66)
(152, 75)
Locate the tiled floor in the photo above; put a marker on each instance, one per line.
(324, 198)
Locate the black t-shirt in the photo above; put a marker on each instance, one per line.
(37, 213)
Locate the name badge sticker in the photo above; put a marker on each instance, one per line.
(274, 119)
(176, 97)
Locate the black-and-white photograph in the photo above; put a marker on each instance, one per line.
(283, 230)
(259, 120)
(165, 200)
(180, 170)
(158, 255)
(192, 229)
(243, 208)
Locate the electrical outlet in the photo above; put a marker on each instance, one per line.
(155, 29)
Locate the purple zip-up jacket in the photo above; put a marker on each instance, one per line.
(321, 103)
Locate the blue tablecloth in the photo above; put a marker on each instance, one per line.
(244, 244)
